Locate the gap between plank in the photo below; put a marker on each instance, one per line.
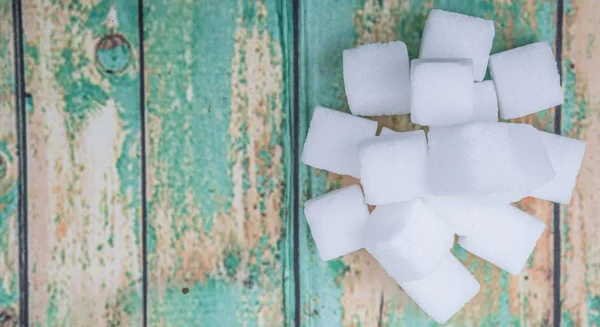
(22, 150)
(143, 164)
(295, 158)
(557, 307)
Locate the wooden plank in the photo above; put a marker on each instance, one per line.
(9, 174)
(219, 162)
(354, 290)
(580, 226)
(84, 163)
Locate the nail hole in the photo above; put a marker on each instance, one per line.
(185, 290)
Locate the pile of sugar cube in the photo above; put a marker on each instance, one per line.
(460, 178)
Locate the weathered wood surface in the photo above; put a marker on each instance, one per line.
(218, 86)
(580, 221)
(354, 290)
(219, 163)
(9, 174)
(84, 164)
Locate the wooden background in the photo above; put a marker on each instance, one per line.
(163, 178)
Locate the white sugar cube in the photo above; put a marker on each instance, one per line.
(452, 35)
(505, 236)
(376, 79)
(337, 221)
(534, 158)
(566, 155)
(387, 131)
(393, 167)
(527, 80)
(407, 239)
(485, 102)
(441, 92)
(503, 198)
(444, 292)
(460, 213)
(332, 139)
(482, 159)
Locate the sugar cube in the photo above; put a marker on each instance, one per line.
(460, 213)
(337, 221)
(445, 291)
(566, 155)
(441, 92)
(527, 80)
(393, 167)
(387, 131)
(407, 239)
(502, 198)
(529, 148)
(376, 79)
(481, 159)
(485, 102)
(453, 35)
(505, 236)
(332, 139)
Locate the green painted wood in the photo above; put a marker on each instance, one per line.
(219, 162)
(580, 226)
(9, 174)
(83, 165)
(354, 290)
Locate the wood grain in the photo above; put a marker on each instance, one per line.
(9, 174)
(219, 188)
(580, 226)
(84, 166)
(219, 169)
(354, 290)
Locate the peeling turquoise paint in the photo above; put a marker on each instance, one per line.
(460, 253)
(125, 91)
(590, 45)
(9, 199)
(205, 304)
(5, 152)
(593, 304)
(7, 298)
(127, 22)
(545, 12)
(189, 154)
(82, 97)
(567, 319)
(97, 16)
(232, 262)
(574, 106)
